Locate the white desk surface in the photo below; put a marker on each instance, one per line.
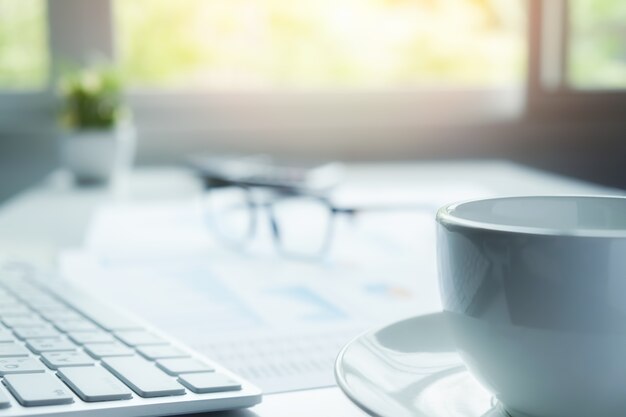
(53, 216)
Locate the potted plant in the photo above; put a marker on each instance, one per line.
(98, 140)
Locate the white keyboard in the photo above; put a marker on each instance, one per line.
(63, 352)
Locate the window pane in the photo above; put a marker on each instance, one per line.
(321, 43)
(23, 50)
(598, 43)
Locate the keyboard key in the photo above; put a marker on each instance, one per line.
(18, 290)
(6, 336)
(23, 321)
(35, 332)
(208, 382)
(12, 349)
(27, 291)
(105, 350)
(160, 352)
(19, 366)
(56, 360)
(90, 337)
(104, 317)
(28, 296)
(45, 305)
(94, 384)
(139, 338)
(4, 400)
(14, 310)
(50, 308)
(182, 366)
(38, 389)
(48, 305)
(62, 314)
(143, 377)
(80, 325)
(43, 302)
(38, 296)
(6, 299)
(51, 344)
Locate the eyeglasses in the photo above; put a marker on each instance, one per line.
(302, 224)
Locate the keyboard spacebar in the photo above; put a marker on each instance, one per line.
(143, 377)
(101, 315)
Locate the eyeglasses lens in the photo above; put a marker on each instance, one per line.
(303, 225)
(230, 213)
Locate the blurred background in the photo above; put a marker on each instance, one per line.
(535, 81)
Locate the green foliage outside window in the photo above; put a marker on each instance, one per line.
(598, 43)
(23, 49)
(303, 44)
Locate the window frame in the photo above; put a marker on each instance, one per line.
(76, 27)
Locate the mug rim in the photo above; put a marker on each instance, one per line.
(445, 217)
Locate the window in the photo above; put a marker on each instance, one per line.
(317, 44)
(597, 44)
(199, 65)
(23, 45)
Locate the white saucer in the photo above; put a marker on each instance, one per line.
(411, 369)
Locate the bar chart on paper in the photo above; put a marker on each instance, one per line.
(281, 333)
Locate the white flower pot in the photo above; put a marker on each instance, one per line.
(95, 156)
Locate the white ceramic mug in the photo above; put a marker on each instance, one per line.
(535, 291)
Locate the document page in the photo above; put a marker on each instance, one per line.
(279, 322)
